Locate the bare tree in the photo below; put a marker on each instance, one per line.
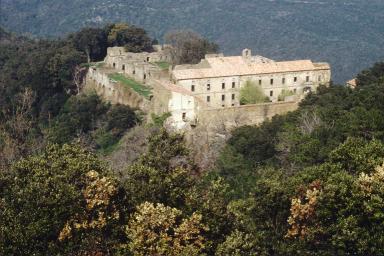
(78, 78)
(188, 47)
(15, 131)
(309, 121)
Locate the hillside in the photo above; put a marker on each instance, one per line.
(348, 34)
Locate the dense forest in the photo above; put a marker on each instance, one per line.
(306, 183)
(324, 30)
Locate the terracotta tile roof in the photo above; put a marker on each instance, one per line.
(239, 66)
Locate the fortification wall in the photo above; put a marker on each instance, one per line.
(114, 92)
(231, 117)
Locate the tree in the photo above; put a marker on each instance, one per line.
(161, 230)
(44, 195)
(251, 93)
(120, 118)
(188, 46)
(133, 38)
(92, 41)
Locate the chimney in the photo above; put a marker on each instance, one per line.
(247, 53)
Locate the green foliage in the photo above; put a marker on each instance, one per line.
(144, 183)
(133, 38)
(137, 87)
(251, 93)
(285, 93)
(92, 41)
(165, 151)
(372, 75)
(356, 155)
(158, 120)
(79, 115)
(39, 195)
(163, 65)
(120, 118)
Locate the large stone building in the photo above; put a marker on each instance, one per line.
(217, 79)
(193, 93)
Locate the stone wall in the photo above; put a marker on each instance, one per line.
(114, 92)
(231, 117)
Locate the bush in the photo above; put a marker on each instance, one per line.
(251, 93)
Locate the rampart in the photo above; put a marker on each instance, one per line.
(113, 91)
(231, 117)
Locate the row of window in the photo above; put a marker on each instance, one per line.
(209, 86)
(222, 97)
(283, 80)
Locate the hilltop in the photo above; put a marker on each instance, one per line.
(348, 34)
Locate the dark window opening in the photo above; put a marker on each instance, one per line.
(295, 79)
(233, 96)
(114, 65)
(145, 76)
(260, 82)
(184, 116)
(223, 97)
(307, 79)
(134, 72)
(233, 84)
(223, 86)
(208, 87)
(271, 93)
(148, 59)
(283, 80)
(193, 88)
(272, 81)
(233, 104)
(208, 98)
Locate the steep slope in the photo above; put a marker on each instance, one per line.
(348, 34)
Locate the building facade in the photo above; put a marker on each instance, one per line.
(217, 80)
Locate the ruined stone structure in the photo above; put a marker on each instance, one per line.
(140, 66)
(198, 95)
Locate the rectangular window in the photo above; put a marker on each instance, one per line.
(223, 86)
(208, 98)
(184, 116)
(233, 84)
(223, 105)
(114, 65)
(123, 67)
(223, 97)
(271, 81)
(133, 72)
(193, 87)
(283, 80)
(307, 79)
(233, 96)
(208, 87)
(271, 93)
(260, 82)
(295, 79)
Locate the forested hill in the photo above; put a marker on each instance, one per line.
(348, 34)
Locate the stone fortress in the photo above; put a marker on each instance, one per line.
(208, 93)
